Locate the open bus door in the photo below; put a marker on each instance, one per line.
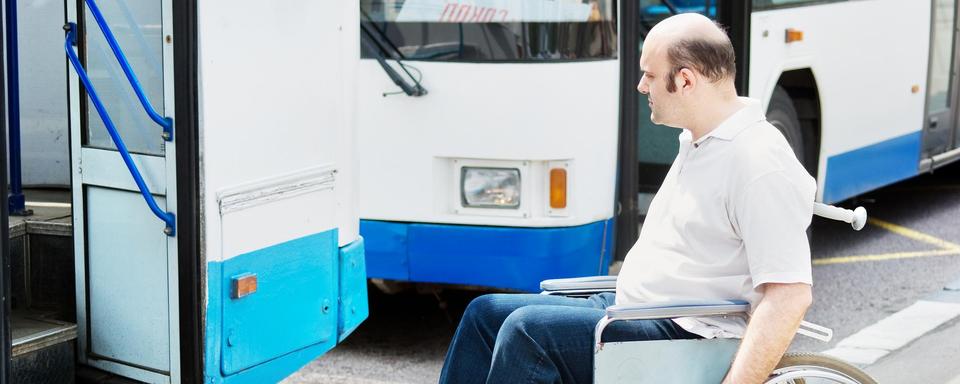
(210, 234)
(645, 150)
(955, 81)
(941, 141)
(124, 196)
(282, 259)
(5, 342)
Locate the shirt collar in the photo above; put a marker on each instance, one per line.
(738, 121)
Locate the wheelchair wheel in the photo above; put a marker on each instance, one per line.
(815, 368)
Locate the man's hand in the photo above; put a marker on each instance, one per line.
(772, 326)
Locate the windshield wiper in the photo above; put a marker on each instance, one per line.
(673, 10)
(378, 51)
(670, 6)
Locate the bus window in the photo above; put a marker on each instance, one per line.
(941, 58)
(768, 4)
(492, 31)
(652, 11)
(939, 126)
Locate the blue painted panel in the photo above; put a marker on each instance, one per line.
(295, 305)
(386, 247)
(213, 324)
(503, 257)
(865, 169)
(353, 289)
(610, 228)
(277, 369)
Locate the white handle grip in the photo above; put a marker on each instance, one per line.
(857, 217)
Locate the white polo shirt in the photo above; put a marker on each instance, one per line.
(731, 215)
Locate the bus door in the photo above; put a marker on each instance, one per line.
(955, 79)
(650, 147)
(647, 150)
(940, 125)
(122, 160)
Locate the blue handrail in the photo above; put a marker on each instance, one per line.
(16, 199)
(165, 122)
(167, 217)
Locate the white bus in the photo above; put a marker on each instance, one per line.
(503, 173)
(209, 234)
(517, 145)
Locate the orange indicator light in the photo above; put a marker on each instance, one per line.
(558, 188)
(244, 285)
(794, 35)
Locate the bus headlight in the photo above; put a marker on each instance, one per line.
(490, 187)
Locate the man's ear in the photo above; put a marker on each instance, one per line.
(686, 80)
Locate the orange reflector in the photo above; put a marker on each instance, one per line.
(915, 88)
(558, 188)
(244, 285)
(794, 35)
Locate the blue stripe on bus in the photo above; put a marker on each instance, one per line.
(296, 314)
(386, 249)
(871, 167)
(501, 257)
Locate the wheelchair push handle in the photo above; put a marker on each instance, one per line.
(857, 217)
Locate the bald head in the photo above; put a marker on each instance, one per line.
(692, 41)
(687, 25)
(688, 71)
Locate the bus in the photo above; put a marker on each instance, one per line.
(502, 143)
(209, 232)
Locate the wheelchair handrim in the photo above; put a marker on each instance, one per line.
(784, 374)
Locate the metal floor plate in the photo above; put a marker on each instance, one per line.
(32, 332)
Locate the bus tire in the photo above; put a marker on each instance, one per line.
(783, 115)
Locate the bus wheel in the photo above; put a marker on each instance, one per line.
(783, 115)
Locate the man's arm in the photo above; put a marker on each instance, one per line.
(772, 326)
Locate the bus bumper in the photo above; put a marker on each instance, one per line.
(497, 257)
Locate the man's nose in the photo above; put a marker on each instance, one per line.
(642, 87)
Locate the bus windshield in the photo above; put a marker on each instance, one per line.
(492, 30)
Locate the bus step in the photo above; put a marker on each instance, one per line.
(90, 375)
(43, 292)
(43, 349)
(42, 261)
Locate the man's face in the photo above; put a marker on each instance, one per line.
(665, 106)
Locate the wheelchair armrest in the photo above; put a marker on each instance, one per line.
(679, 308)
(579, 285)
(667, 310)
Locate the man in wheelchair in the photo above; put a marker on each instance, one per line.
(729, 222)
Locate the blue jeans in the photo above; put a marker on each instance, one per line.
(531, 338)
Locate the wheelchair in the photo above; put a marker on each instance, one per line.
(629, 361)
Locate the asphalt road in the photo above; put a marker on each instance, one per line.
(859, 279)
